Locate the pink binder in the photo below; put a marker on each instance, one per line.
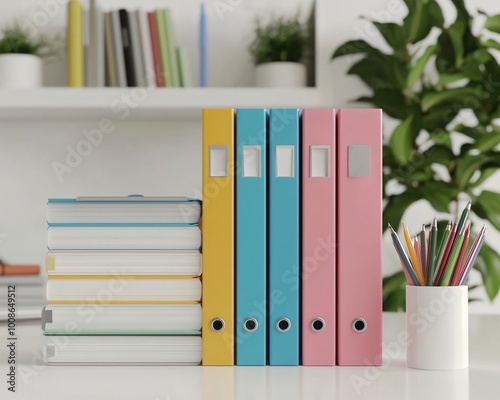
(359, 237)
(318, 237)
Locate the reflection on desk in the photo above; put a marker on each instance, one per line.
(391, 381)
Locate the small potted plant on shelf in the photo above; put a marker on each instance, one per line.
(278, 51)
(20, 61)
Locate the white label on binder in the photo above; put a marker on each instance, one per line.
(251, 161)
(319, 158)
(359, 161)
(218, 161)
(284, 161)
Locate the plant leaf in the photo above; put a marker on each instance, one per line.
(487, 142)
(393, 34)
(456, 33)
(441, 137)
(462, 13)
(485, 174)
(488, 264)
(466, 167)
(419, 66)
(493, 23)
(392, 101)
(492, 44)
(422, 16)
(456, 95)
(397, 205)
(445, 79)
(355, 47)
(393, 282)
(490, 202)
(438, 194)
(402, 141)
(396, 300)
(474, 132)
(379, 72)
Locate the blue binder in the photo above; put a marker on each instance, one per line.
(251, 236)
(283, 295)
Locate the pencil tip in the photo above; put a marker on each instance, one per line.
(469, 205)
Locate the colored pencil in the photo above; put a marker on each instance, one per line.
(416, 246)
(463, 217)
(471, 257)
(411, 277)
(423, 253)
(413, 255)
(432, 260)
(457, 271)
(452, 259)
(446, 253)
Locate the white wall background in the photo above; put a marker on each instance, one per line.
(162, 157)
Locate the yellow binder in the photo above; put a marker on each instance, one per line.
(75, 44)
(218, 237)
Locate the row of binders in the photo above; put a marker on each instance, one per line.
(292, 232)
(121, 48)
(124, 281)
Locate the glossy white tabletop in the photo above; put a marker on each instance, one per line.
(391, 381)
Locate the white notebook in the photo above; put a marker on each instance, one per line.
(123, 210)
(124, 237)
(124, 262)
(112, 350)
(122, 319)
(122, 289)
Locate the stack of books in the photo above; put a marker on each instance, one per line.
(123, 281)
(121, 48)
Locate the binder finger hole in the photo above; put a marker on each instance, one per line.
(317, 324)
(283, 324)
(359, 325)
(217, 324)
(250, 325)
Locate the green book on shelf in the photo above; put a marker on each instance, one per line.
(162, 40)
(184, 72)
(171, 48)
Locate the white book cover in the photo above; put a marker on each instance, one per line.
(147, 50)
(135, 350)
(143, 210)
(122, 289)
(137, 49)
(124, 262)
(124, 237)
(121, 319)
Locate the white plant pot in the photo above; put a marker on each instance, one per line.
(281, 75)
(19, 71)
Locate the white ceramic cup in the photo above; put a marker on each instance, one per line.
(437, 324)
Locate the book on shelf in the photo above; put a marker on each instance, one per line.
(125, 47)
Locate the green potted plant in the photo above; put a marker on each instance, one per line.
(278, 51)
(20, 62)
(437, 153)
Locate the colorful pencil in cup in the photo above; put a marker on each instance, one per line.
(427, 263)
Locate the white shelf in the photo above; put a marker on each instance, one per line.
(163, 103)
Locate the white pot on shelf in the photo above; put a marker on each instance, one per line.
(20, 71)
(281, 75)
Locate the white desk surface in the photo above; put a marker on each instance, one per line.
(391, 381)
